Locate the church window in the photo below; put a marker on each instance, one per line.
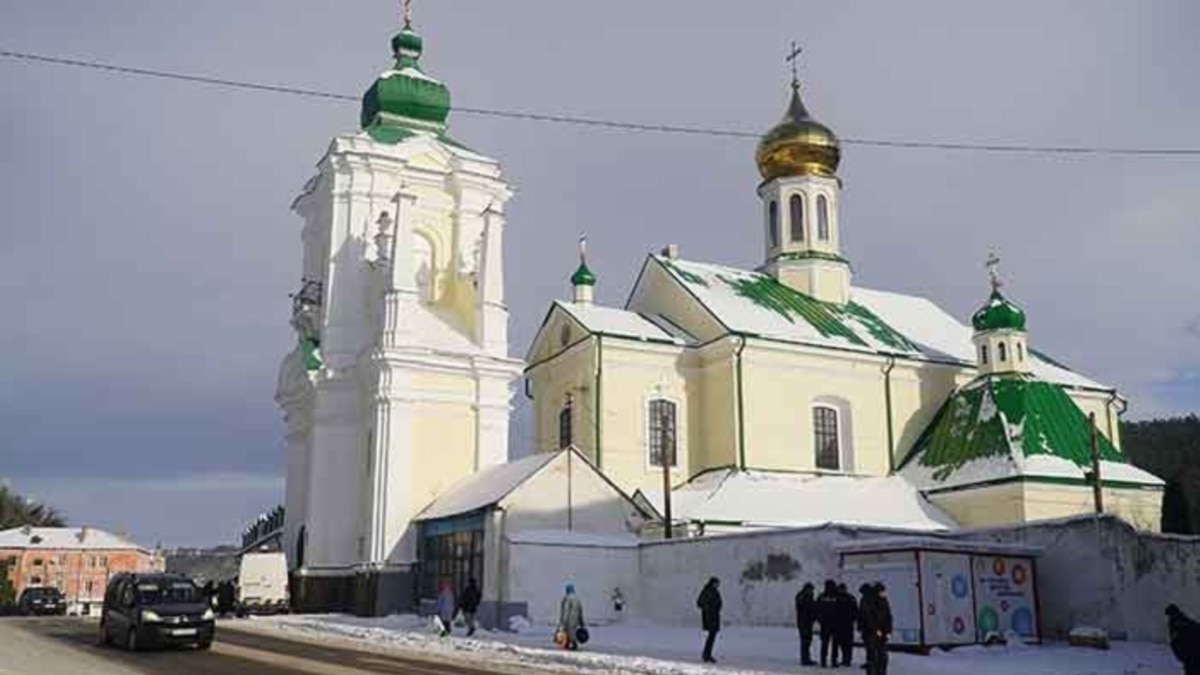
(773, 223)
(825, 434)
(1020, 352)
(564, 335)
(1002, 351)
(983, 354)
(662, 437)
(796, 208)
(564, 426)
(822, 218)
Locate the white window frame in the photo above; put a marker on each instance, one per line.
(679, 446)
(844, 418)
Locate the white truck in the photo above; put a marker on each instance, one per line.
(262, 584)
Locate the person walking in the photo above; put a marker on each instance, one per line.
(445, 609)
(806, 616)
(1184, 633)
(876, 620)
(468, 602)
(843, 631)
(570, 617)
(709, 603)
(866, 593)
(827, 615)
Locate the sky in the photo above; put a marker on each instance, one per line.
(147, 247)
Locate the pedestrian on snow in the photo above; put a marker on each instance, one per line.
(445, 608)
(806, 616)
(1185, 639)
(875, 618)
(570, 617)
(709, 603)
(866, 591)
(225, 597)
(468, 602)
(827, 614)
(843, 633)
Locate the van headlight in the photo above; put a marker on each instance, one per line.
(208, 615)
(150, 616)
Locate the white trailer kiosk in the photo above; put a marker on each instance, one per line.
(945, 593)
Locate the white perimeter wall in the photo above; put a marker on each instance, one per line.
(538, 575)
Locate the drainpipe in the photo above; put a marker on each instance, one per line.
(741, 407)
(887, 402)
(599, 409)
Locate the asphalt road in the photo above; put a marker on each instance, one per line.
(67, 646)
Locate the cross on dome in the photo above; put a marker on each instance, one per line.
(407, 13)
(993, 265)
(792, 57)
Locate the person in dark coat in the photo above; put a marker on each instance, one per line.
(875, 619)
(843, 630)
(827, 614)
(709, 603)
(865, 592)
(468, 602)
(226, 597)
(806, 616)
(1184, 634)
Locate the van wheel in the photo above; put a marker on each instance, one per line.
(131, 641)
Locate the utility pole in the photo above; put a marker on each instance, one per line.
(666, 444)
(1094, 475)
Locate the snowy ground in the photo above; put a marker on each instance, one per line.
(644, 649)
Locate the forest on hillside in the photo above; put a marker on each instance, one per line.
(1170, 449)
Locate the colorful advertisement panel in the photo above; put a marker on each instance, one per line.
(1005, 599)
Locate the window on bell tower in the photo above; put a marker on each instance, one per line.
(796, 215)
(822, 218)
(825, 437)
(983, 354)
(773, 223)
(1002, 351)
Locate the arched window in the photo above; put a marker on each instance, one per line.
(564, 426)
(796, 213)
(661, 441)
(822, 218)
(825, 437)
(773, 223)
(1020, 352)
(983, 354)
(1003, 352)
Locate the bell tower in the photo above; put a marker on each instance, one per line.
(798, 160)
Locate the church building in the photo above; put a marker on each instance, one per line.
(400, 382)
(789, 381)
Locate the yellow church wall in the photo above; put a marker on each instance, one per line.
(714, 428)
(918, 391)
(984, 506)
(659, 292)
(572, 372)
(450, 428)
(633, 374)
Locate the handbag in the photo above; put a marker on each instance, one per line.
(582, 635)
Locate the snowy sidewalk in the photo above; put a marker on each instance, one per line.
(645, 649)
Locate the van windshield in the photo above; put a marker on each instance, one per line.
(165, 592)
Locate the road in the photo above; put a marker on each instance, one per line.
(67, 646)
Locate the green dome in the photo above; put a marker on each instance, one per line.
(583, 276)
(405, 96)
(999, 314)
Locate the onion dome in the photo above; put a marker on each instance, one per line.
(999, 314)
(799, 145)
(404, 97)
(583, 276)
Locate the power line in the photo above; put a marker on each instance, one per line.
(607, 123)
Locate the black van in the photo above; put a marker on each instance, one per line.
(155, 610)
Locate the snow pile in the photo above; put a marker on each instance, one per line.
(645, 649)
(1088, 636)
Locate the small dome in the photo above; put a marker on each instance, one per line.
(583, 276)
(798, 146)
(999, 314)
(404, 92)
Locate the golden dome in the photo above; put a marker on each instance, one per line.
(798, 146)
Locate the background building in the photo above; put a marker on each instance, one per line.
(76, 560)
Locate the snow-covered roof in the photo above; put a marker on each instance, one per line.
(873, 321)
(613, 321)
(776, 499)
(60, 538)
(485, 488)
(1003, 427)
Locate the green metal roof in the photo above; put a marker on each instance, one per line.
(405, 96)
(1002, 416)
(999, 314)
(583, 276)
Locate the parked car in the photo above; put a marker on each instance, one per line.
(262, 584)
(41, 600)
(144, 611)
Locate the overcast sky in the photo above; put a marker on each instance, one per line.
(147, 249)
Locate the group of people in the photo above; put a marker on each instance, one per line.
(447, 607)
(222, 597)
(837, 612)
